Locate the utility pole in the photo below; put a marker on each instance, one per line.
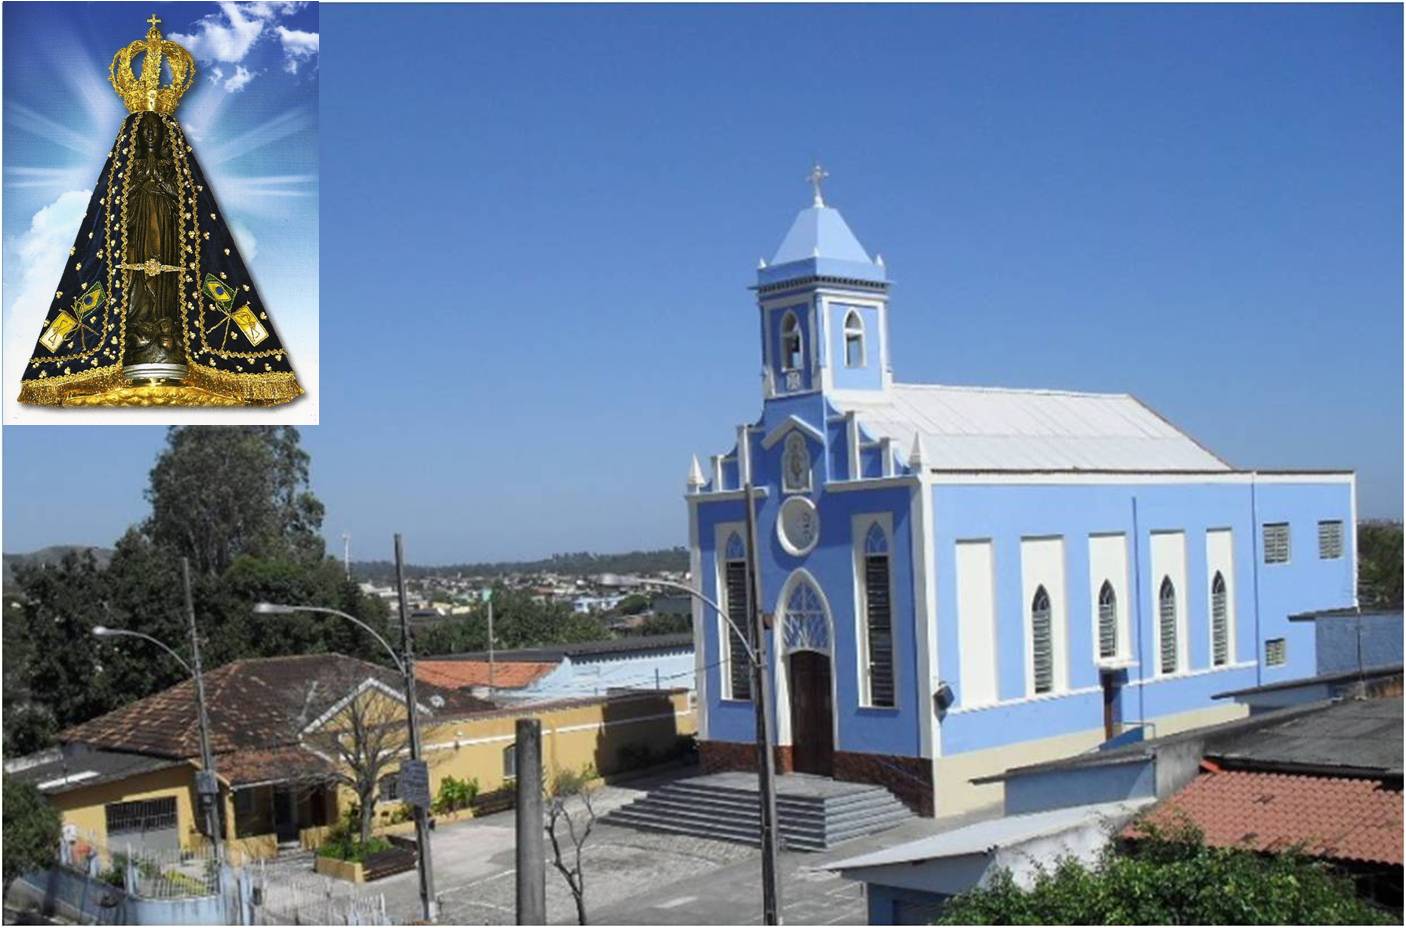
(207, 786)
(429, 904)
(761, 702)
(531, 851)
(490, 644)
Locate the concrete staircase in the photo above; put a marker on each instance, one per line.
(813, 813)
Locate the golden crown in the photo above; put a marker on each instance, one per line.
(146, 93)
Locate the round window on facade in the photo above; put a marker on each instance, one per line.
(798, 528)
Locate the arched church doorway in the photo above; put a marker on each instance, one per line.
(812, 716)
(806, 640)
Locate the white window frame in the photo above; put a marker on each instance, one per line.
(1163, 586)
(1102, 571)
(791, 322)
(721, 533)
(859, 528)
(1169, 560)
(856, 331)
(1225, 566)
(1053, 577)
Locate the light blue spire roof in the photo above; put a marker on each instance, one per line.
(820, 244)
(819, 232)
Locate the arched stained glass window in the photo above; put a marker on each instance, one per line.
(1220, 622)
(854, 340)
(1042, 641)
(1167, 625)
(806, 627)
(1107, 621)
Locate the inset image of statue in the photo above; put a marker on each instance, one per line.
(155, 306)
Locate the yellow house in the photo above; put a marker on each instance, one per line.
(277, 728)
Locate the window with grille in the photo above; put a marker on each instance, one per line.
(128, 818)
(1042, 641)
(390, 787)
(1330, 540)
(737, 589)
(1107, 621)
(1167, 625)
(1276, 543)
(854, 340)
(878, 617)
(1276, 652)
(1220, 622)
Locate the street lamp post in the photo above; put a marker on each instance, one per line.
(766, 773)
(209, 791)
(405, 663)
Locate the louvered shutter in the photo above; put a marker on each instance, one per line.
(878, 613)
(740, 671)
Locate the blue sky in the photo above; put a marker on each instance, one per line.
(252, 117)
(539, 223)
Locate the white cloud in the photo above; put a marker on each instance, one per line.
(241, 77)
(40, 253)
(244, 240)
(298, 47)
(225, 36)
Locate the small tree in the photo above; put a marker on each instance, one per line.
(362, 736)
(31, 830)
(1169, 877)
(570, 810)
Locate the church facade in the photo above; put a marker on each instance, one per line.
(957, 580)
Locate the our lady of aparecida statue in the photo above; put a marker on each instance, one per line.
(155, 306)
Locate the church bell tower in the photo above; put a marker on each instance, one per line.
(824, 308)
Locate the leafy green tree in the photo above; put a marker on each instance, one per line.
(519, 621)
(1379, 564)
(31, 830)
(58, 683)
(633, 604)
(1170, 877)
(221, 492)
(666, 625)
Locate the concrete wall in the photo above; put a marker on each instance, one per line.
(1336, 639)
(84, 807)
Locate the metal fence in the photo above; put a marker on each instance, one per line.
(282, 897)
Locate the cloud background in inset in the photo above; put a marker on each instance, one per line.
(252, 117)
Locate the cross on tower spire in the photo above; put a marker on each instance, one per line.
(153, 21)
(816, 175)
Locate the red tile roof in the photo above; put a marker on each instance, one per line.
(255, 704)
(456, 674)
(246, 768)
(1337, 817)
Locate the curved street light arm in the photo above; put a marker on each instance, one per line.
(111, 632)
(697, 594)
(400, 665)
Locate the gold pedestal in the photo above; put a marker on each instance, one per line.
(153, 394)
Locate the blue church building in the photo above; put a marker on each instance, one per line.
(958, 580)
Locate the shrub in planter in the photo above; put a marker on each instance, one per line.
(454, 794)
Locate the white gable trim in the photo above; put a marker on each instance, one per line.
(339, 705)
(792, 422)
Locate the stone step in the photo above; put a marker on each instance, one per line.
(664, 803)
(710, 829)
(812, 814)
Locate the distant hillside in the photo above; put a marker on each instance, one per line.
(579, 564)
(51, 555)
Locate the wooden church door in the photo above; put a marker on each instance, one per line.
(812, 727)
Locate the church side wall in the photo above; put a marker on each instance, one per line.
(1154, 520)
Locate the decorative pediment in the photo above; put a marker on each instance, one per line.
(790, 423)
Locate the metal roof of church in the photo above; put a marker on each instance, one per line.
(1000, 429)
